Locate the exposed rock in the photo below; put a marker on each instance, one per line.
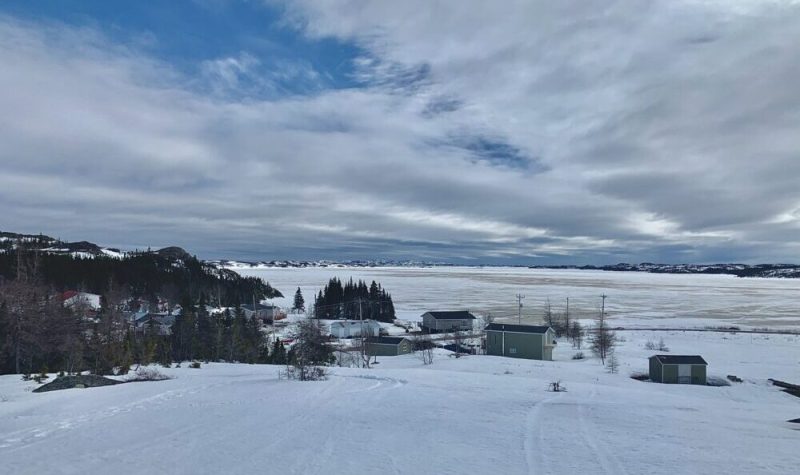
(82, 381)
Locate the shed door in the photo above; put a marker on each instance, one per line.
(685, 374)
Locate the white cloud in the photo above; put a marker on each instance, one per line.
(649, 129)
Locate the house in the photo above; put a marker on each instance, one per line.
(520, 341)
(354, 328)
(86, 300)
(389, 346)
(265, 313)
(447, 321)
(158, 322)
(678, 369)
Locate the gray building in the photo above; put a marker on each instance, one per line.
(520, 341)
(389, 346)
(265, 313)
(678, 369)
(460, 320)
(354, 328)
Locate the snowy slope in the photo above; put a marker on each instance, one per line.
(476, 414)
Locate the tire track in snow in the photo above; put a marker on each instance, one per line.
(533, 451)
(605, 457)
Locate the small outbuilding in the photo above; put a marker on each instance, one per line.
(520, 341)
(389, 346)
(459, 320)
(678, 369)
(355, 328)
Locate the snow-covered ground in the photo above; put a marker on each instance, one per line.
(476, 414)
(634, 298)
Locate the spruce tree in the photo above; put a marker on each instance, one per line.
(299, 301)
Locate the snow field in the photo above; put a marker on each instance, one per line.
(476, 414)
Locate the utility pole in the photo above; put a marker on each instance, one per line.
(603, 307)
(519, 307)
(364, 350)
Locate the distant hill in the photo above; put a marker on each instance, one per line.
(739, 270)
(170, 272)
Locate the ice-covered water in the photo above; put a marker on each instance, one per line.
(633, 298)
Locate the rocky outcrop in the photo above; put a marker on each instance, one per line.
(81, 381)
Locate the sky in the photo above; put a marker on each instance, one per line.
(515, 132)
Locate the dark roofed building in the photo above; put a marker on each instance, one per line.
(389, 346)
(678, 369)
(460, 320)
(520, 341)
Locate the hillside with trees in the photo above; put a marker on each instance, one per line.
(38, 332)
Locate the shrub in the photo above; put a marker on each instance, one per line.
(148, 374)
(639, 376)
(656, 346)
(578, 356)
(195, 365)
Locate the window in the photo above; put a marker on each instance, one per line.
(512, 351)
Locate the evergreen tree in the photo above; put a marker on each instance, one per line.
(299, 301)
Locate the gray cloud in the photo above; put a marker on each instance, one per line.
(639, 131)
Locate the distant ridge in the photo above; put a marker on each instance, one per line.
(740, 270)
(87, 249)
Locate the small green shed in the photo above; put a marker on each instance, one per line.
(389, 346)
(678, 369)
(520, 341)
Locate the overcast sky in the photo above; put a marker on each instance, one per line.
(466, 131)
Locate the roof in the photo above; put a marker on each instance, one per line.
(388, 340)
(69, 294)
(249, 307)
(501, 327)
(452, 315)
(354, 323)
(680, 359)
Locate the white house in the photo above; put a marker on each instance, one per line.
(85, 299)
(353, 328)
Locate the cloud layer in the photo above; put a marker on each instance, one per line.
(542, 132)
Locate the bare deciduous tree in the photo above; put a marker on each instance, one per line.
(602, 338)
(424, 345)
(576, 333)
(613, 363)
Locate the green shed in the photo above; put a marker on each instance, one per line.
(389, 346)
(520, 341)
(678, 369)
